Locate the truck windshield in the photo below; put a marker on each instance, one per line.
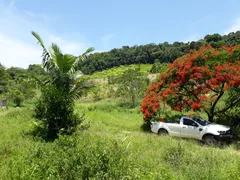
(202, 122)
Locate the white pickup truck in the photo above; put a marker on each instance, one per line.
(197, 128)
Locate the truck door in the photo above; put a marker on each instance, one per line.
(190, 128)
(174, 129)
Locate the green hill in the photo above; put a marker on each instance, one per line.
(151, 53)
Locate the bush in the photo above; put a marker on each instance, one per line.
(56, 110)
(16, 96)
(157, 67)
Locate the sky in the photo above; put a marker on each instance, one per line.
(76, 25)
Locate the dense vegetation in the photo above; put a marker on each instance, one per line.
(18, 84)
(151, 53)
(113, 147)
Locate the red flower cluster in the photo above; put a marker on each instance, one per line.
(150, 104)
(194, 80)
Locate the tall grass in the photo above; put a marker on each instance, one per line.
(114, 147)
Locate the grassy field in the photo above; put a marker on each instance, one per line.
(113, 147)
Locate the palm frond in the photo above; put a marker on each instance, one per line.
(45, 55)
(75, 66)
(69, 61)
(40, 41)
(55, 48)
(89, 50)
(85, 54)
(62, 68)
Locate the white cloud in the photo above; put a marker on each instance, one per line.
(18, 53)
(18, 47)
(234, 27)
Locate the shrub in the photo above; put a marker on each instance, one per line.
(132, 84)
(17, 97)
(55, 109)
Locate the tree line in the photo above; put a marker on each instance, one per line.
(153, 53)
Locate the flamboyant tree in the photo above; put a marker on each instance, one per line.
(197, 81)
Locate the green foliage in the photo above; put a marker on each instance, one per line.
(117, 71)
(20, 91)
(56, 104)
(132, 83)
(17, 74)
(38, 76)
(104, 84)
(36, 69)
(213, 38)
(232, 118)
(158, 67)
(16, 96)
(3, 79)
(150, 53)
(18, 85)
(55, 109)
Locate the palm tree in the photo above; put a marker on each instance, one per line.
(55, 107)
(62, 68)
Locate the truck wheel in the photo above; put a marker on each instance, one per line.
(209, 140)
(162, 132)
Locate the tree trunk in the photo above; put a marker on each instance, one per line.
(212, 112)
(210, 117)
(52, 132)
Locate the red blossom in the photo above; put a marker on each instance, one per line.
(191, 81)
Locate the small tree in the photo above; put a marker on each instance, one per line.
(56, 105)
(18, 91)
(16, 96)
(132, 83)
(197, 81)
(157, 67)
(3, 79)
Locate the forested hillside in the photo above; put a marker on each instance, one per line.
(151, 53)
